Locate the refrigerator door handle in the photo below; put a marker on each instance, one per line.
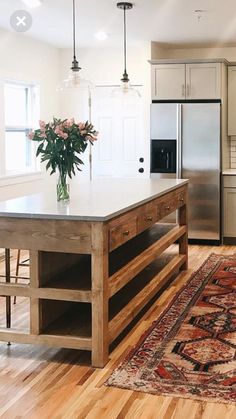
(179, 142)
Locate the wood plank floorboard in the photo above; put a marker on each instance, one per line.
(40, 383)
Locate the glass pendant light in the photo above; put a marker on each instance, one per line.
(125, 90)
(74, 79)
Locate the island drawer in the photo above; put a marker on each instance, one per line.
(148, 217)
(170, 203)
(181, 197)
(125, 230)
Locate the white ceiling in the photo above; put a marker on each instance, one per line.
(164, 21)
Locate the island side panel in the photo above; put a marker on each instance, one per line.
(100, 268)
(66, 236)
(183, 220)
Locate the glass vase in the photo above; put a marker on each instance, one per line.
(63, 191)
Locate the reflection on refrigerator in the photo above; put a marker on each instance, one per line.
(195, 127)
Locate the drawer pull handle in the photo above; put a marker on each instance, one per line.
(167, 208)
(126, 233)
(149, 218)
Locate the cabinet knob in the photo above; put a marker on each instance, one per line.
(149, 218)
(167, 208)
(141, 170)
(126, 233)
(141, 160)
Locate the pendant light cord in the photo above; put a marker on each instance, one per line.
(125, 43)
(75, 64)
(125, 77)
(125, 86)
(74, 34)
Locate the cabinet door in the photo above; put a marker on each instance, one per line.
(229, 212)
(168, 81)
(232, 100)
(203, 81)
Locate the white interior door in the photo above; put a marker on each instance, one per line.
(120, 125)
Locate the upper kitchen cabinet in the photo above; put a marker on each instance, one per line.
(203, 81)
(186, 81)
(168, 81)
(232, 100)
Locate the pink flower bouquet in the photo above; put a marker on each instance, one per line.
(61, 143)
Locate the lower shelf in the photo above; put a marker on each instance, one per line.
(130, 310)
(74, 322)
(60, 341)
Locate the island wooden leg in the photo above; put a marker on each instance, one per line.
(100, 255)
(183, 241)
(8, 280)
(35, 304)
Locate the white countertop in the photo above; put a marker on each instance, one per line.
(228, 172)
(98, 200)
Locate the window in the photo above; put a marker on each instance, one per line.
(20, 115)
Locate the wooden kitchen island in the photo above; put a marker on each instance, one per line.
(90, 259)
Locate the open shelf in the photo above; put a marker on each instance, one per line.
(77, 277)
(76, 321)
(128, 251)
(128, 292)
(74, 283)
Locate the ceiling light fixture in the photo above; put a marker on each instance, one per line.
(33, 3)
(199, 13)
(125, 87)
(101, 35)
(74, 80)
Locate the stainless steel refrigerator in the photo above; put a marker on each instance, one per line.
(185, 143)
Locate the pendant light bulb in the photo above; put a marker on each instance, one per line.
(125, 88)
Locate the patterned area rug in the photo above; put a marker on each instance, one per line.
(190, 351)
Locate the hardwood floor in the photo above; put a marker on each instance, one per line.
(39, 382)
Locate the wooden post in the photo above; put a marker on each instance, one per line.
(8, 280)
(100, 255)
(35, 303)
(183, 241)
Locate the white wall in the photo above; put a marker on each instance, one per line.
(104, 66)
(26, 59)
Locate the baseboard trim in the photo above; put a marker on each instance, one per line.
(229, 240)
(205, 242)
